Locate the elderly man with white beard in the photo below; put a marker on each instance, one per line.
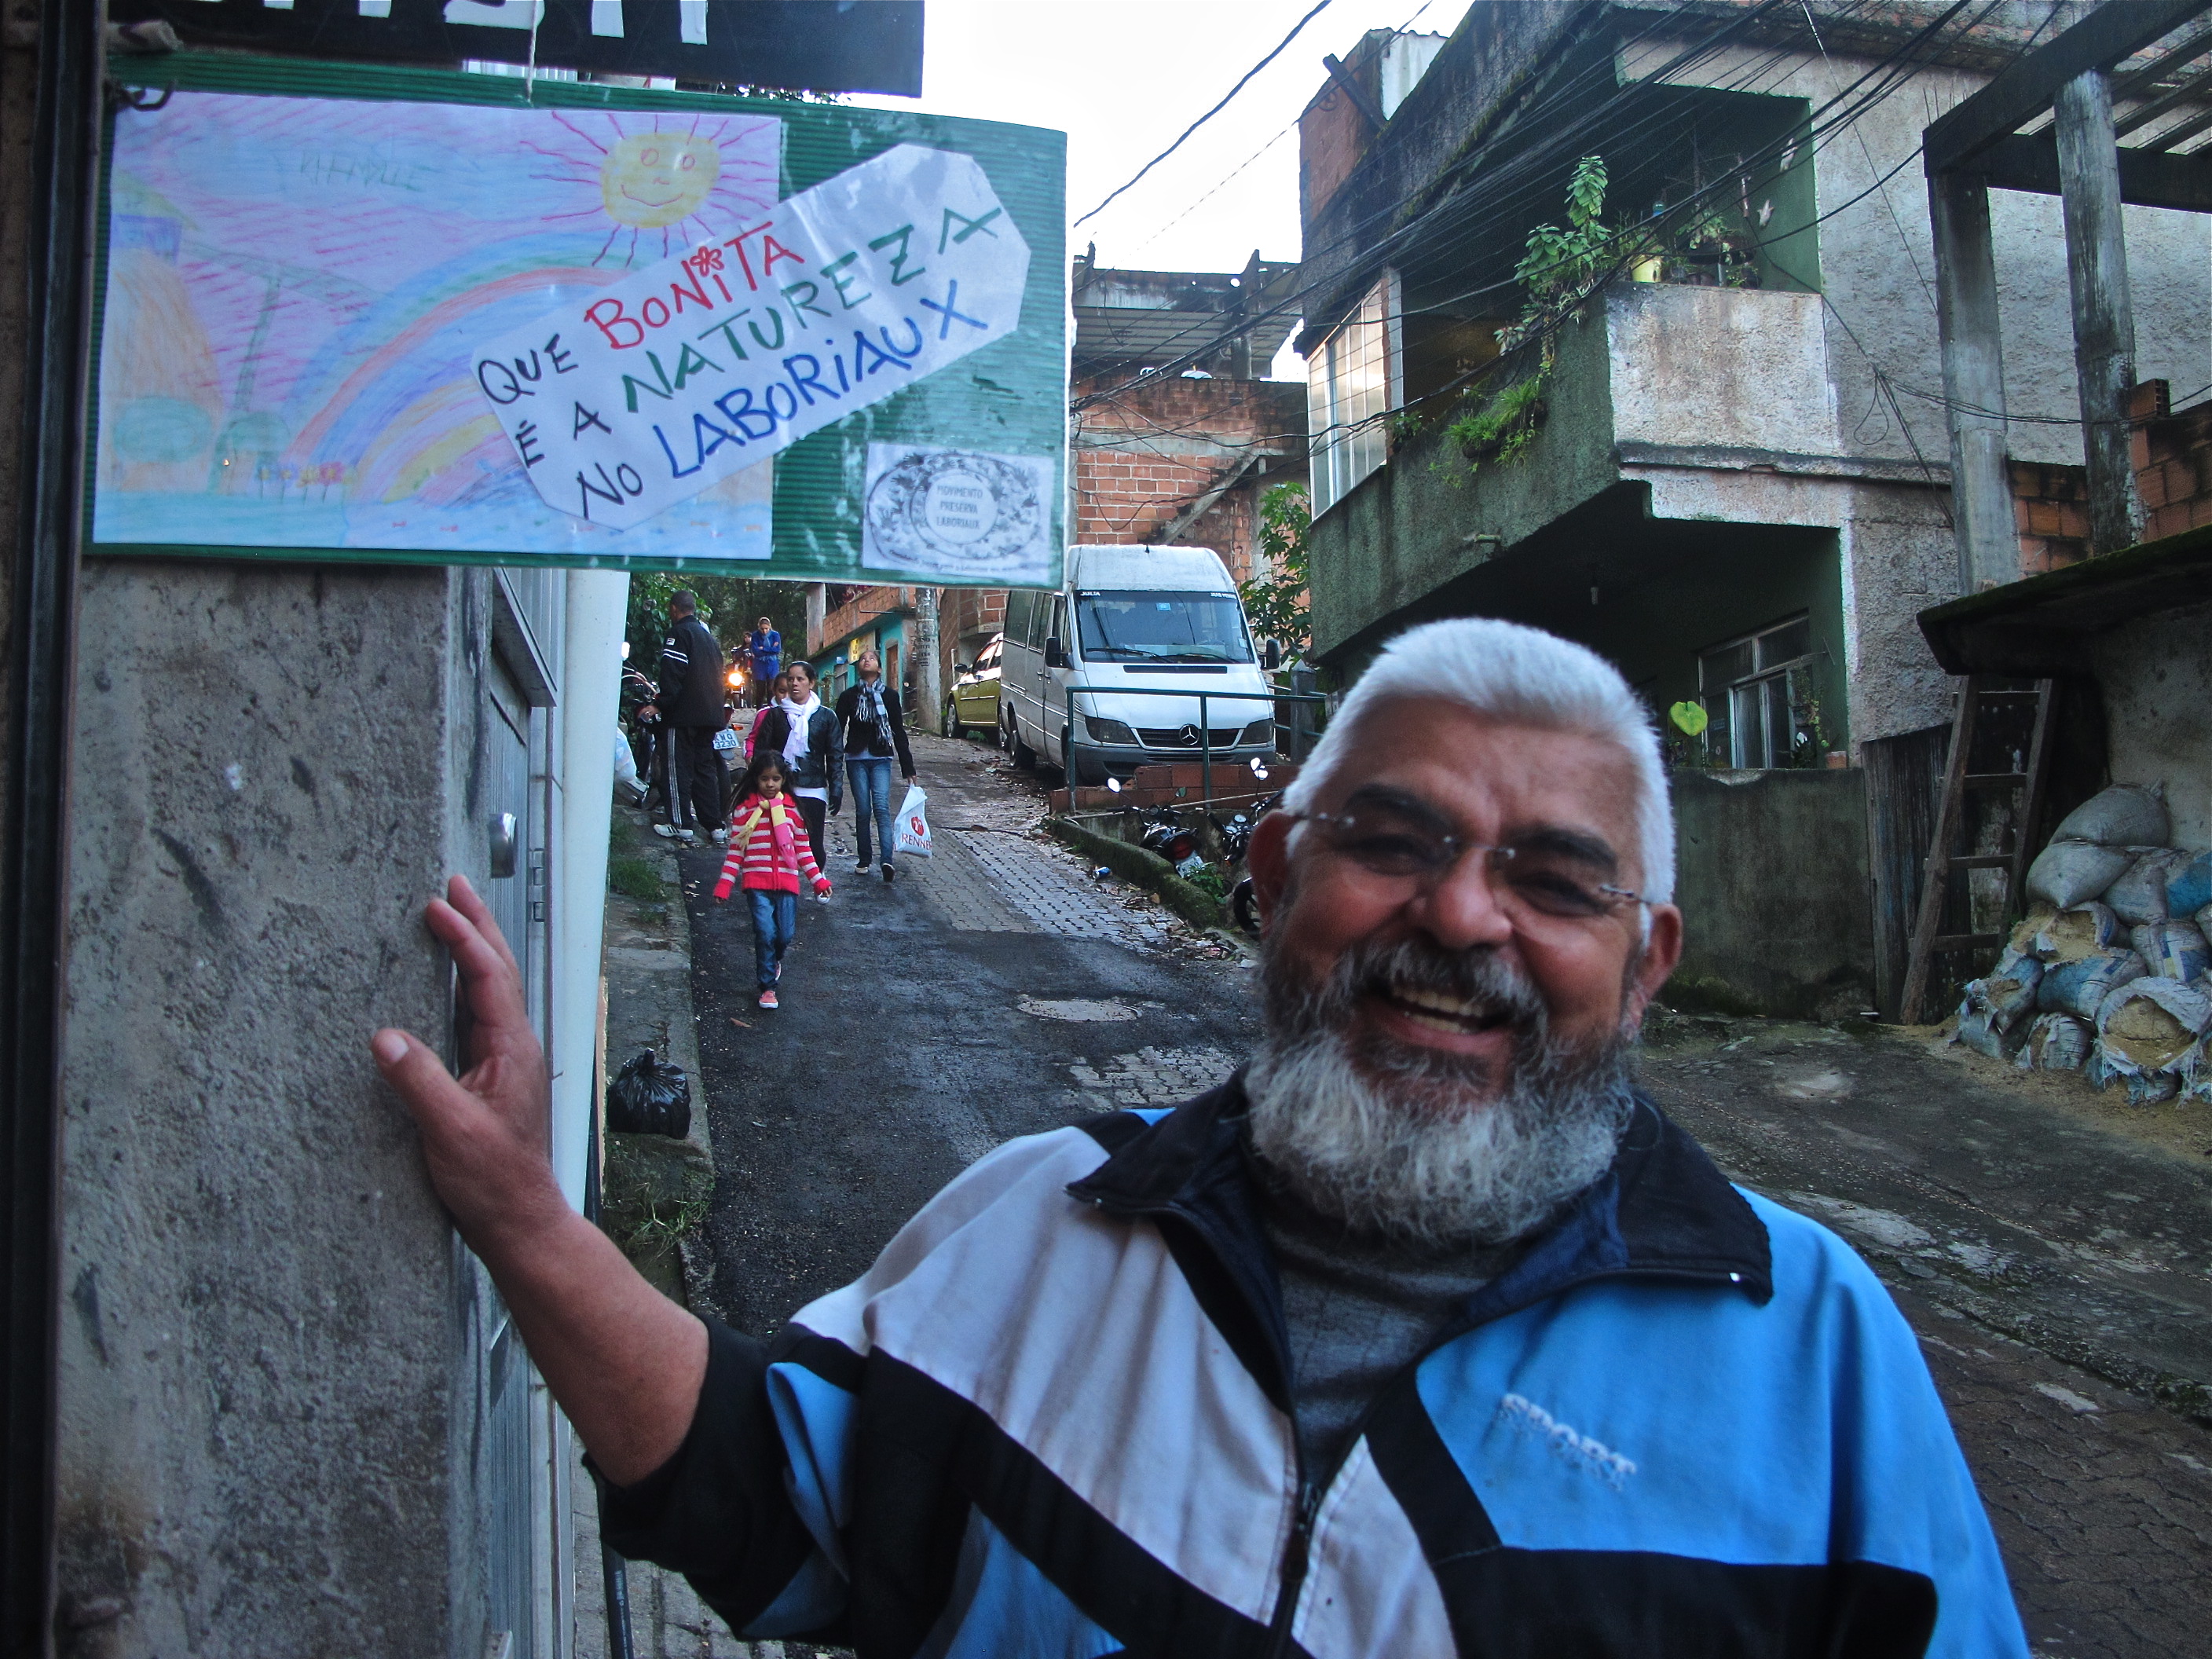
(1424, 1334)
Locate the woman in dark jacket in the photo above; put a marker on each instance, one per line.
(806, 733)
(873, 728)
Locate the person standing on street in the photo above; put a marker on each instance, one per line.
(873, 728)
(805, 732)
(690, 708)
(767, 855)
(766, 647)
(778, 688)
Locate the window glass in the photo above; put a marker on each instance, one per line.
(1020, 603)
(1758, 693)
(1162, 627)
(1787, 643)
(1348, 391)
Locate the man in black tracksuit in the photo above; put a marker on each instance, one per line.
(692, 700)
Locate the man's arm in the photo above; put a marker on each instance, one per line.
(624, 1362)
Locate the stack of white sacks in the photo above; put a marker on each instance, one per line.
(2108, 974)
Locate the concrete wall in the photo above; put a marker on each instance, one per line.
(2157, 681)
(1877, 262)
(1773, 886)
(268, 1380)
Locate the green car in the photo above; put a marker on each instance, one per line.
(972, 705)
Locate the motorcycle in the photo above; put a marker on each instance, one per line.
(1236, 842)
(648, 737)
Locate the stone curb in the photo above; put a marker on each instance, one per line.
(645, 1170)
(1148, 869)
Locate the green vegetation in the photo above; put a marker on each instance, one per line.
(1501, 428)
(1564, 265)
(628, 873)
(728, 605)
(1277, 605)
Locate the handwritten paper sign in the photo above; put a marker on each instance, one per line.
(623, 403)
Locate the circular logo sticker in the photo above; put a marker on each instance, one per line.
(951, 509)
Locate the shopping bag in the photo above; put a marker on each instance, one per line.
(911, 835)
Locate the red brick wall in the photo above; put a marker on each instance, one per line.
(1144, 454)
(2172, 456)
(2051, 504)
(2173, 461)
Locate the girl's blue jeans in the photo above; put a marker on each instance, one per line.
(775, 919)
(872, 798)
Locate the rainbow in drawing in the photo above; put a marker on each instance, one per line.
(295, 288)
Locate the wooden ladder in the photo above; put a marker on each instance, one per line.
(1943, 863)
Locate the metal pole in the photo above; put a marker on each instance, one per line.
(614, 1572)
(1973, 382)
(2104, 317)
(54, 158)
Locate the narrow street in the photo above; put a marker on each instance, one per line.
(2050, 1251)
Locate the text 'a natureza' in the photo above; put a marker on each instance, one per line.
(625, 400)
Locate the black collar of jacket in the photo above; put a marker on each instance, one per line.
(1662, 1212)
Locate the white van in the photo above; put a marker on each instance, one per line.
(1133, 632)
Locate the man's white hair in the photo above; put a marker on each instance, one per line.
(1505, 672)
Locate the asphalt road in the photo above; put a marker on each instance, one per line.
(901, 1051)
(2052, 1257)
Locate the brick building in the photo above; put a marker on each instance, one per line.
(1174, 431)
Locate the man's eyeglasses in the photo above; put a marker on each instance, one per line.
(1536, 880)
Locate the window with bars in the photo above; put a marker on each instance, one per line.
(1760, 706)
(1349, 385)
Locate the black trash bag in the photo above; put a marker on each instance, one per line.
(649, 1097)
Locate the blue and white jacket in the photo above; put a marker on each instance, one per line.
(1052, 1420)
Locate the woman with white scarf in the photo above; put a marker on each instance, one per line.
(873, 728)
(808, 736)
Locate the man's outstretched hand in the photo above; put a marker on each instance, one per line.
(625, 1363)
(486, 1136)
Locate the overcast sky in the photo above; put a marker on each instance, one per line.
(1123, 79)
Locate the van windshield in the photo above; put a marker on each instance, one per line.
(1169, 626)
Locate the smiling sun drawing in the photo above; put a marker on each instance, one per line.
(689, 181)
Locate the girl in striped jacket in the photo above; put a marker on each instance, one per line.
(768, 853)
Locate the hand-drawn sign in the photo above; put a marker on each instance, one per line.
(626, 401)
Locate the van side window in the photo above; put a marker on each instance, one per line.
(1021, 605)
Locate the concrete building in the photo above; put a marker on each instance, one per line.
(260, 1398)
(1731, 477)
(2092, 575)
(872, 619)
(294, 1416)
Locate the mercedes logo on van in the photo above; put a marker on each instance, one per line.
(1188, 737)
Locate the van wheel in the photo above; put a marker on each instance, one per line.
(1024, 757)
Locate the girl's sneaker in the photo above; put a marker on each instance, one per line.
(768, 999)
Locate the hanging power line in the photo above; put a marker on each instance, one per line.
(1211, 113)
(1449, 219)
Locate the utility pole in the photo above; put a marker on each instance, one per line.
(928, 671)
